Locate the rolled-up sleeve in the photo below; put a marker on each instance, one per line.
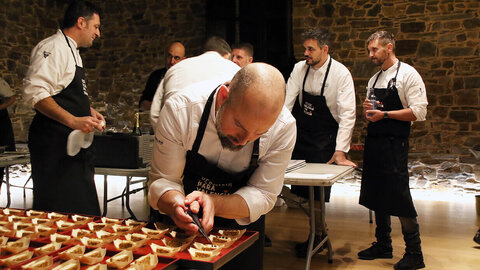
(416, 95)
(294, 85)
(265, 184)
(169, 156)
(50, 71)
(346, 107)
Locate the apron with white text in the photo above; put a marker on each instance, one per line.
(62, 183)
(385, 187)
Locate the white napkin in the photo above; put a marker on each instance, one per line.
(77, 140)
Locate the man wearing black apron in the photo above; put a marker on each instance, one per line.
(56, 87)
(223, 150)
(7, 140)
(385, 180)
(321, 95)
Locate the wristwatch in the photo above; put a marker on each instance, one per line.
(385, 114)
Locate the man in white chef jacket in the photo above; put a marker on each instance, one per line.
(55, 86)
(321, 96)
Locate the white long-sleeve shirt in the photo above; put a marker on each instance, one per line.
(175, 134)
(207, 66)
(410, 87)
(339, 94)
(52, 68)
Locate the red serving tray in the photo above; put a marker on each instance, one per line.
(181, 259)
(163, 262)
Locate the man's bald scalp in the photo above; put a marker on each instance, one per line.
(263, 84)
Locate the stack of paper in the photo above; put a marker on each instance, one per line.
(294, 165)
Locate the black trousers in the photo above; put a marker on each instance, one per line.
(410, 231)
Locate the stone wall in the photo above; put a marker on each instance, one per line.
(440, 38)
(133, 37)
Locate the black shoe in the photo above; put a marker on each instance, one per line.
(268, 241)
(376, 251)
(410, 261)
(301, 248)
(476, 238)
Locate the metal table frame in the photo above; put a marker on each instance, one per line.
(129, 173)
(317, 175)
(8, 159)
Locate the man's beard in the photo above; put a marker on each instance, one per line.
(379, 62)
(313, 63)
(224, 139)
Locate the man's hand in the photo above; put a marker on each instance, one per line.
(371, 115)
(340, 159)
(99, 117)
(86, 124)
(198, 200)
(173, 204)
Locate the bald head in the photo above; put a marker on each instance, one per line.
(255, 98)
(258, 86)
(174, 54)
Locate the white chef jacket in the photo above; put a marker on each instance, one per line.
(175, 134)
(339, 94)
(410, 87)
(52, 68)
(5, 90)
(207, 66)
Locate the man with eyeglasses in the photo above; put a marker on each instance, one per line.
(174, 54)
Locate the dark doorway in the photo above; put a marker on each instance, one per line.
(267, 25)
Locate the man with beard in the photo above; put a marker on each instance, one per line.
(223, 150)
(321, 95)
(385, 188)
(55, 86)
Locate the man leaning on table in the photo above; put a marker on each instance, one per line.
(321, 96)
(224, 149)
(385, 188)
(55, 86)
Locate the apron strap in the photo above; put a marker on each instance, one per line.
(326, 75)
(324, 79)
(394, 79)
(203, 122)
(254, 158)
(305, 78)
(203, 125)
(68, 43)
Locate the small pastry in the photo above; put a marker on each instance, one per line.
(120, 260)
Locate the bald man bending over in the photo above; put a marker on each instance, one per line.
(223, 150)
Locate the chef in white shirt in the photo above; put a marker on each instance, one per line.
(213, 64)
(321, 96)
(55, 86)
(224, 149)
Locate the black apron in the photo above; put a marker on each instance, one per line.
(385, 187)
(201, 175)
(316, 132)
(60, 182)
(6, 136)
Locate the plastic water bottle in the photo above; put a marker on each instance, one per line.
(373, 100)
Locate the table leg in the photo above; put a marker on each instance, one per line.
(7, 182)
(105, 195)
(324, 225)
(127, 198)
(311, 239)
